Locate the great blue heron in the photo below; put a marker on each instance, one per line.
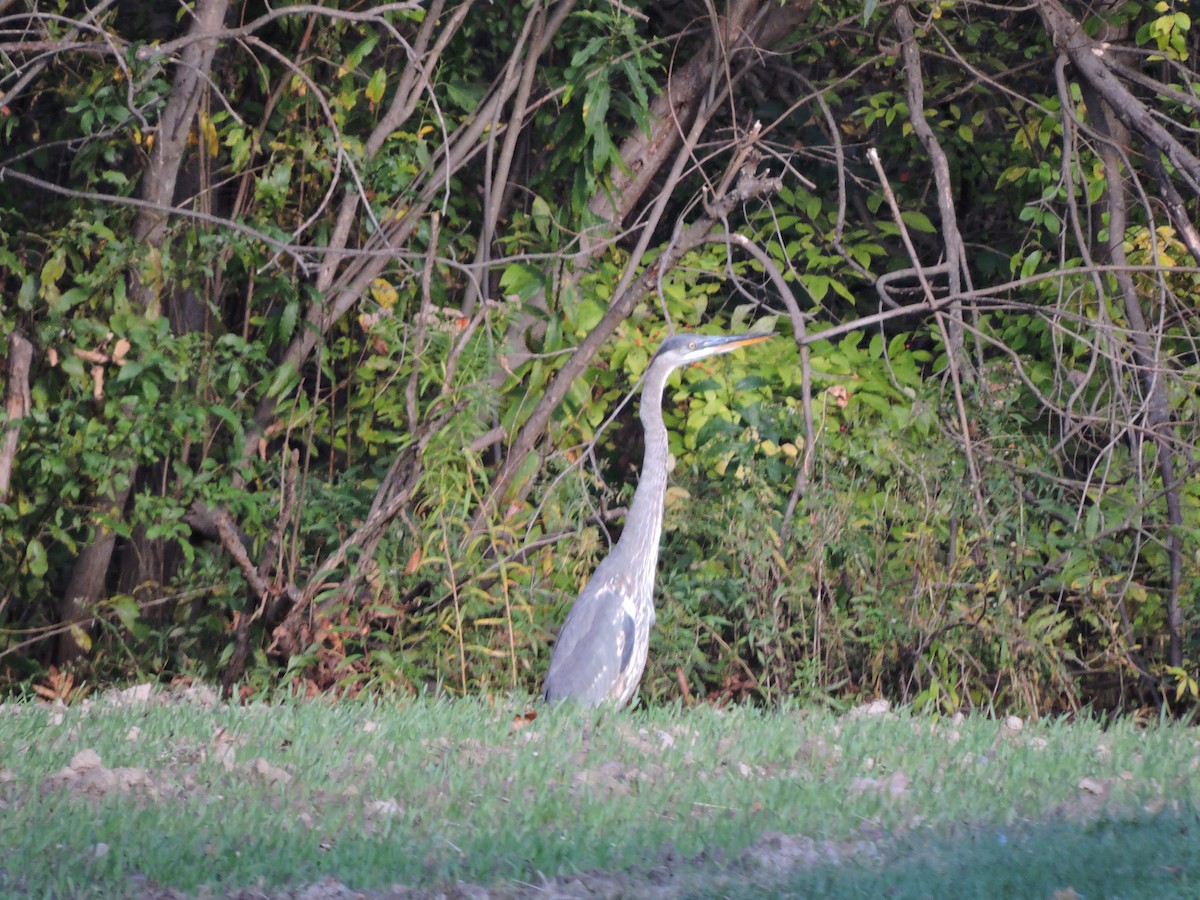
(601, 650)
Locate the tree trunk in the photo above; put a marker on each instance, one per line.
(16, 406)
(89, 574)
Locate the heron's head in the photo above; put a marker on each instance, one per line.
(681, 349)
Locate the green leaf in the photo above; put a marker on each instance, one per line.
(228, 416)
(376, 86)
(589, 316)
(127, 611)
(1012, 173)
(586, 52)
(540, 212)
(35, 558)
(841, 290)
(816, 285)
(464, 96)
(636, 361)
(638, 86)
(750, 383)
(273, 186)
(358, 54)
(285, 377)
(521, 280)
(53, 270)
(877, 403)
(918, 221)
(595, 121)
(287, 320)
(27, 294)
(578, 394)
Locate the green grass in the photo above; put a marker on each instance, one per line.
(1142, 856)
(424, 793)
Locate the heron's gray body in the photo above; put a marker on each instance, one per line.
(601, 650)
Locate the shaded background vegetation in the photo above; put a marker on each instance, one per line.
(320, 320)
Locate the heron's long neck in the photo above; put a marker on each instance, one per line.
(643, 525)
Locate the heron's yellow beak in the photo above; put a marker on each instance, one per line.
(726, 343)
(745, 340)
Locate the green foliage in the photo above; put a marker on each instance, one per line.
(609, 83)
(887, 577)
(215, 367)
(1168, 32)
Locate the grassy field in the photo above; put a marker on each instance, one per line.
(154, 796)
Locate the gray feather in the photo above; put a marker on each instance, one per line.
(601, 650)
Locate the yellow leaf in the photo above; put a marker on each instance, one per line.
(376, 86)
(383, 292)
(724, 463)
(208, 132)
(676, 495)
(82, 639)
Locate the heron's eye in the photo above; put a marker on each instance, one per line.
(692, 345)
